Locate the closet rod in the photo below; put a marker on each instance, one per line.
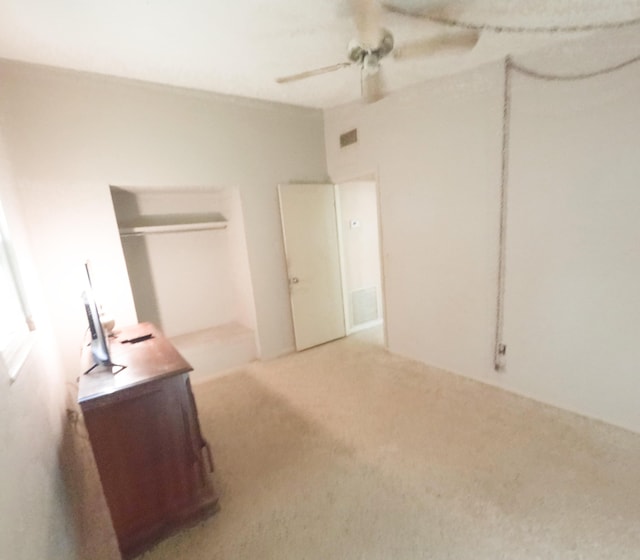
(174, 228)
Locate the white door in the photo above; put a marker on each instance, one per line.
(313, 262)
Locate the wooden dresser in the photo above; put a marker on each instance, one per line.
(143, 426)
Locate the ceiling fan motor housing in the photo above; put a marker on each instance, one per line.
(361, 53)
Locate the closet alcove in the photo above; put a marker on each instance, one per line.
(186, 257)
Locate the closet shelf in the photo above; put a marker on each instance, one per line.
(172, 223)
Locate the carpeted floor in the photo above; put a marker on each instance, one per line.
(347, 452)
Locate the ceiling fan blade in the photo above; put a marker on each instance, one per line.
(310, 73)
(366, 15)
(447, 42)
(437, 11)
(372, 86)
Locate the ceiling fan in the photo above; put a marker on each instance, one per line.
(374, 43)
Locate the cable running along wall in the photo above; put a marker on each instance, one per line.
(436, 16)
(510, 67)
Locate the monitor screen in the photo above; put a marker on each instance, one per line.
(99, 341)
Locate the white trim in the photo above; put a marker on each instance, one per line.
(367, 325)
(18, 339)
(18, 356)
(343, 274)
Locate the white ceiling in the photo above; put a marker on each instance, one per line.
(239, 47)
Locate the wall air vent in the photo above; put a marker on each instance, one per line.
(348, 138)
(364, 305)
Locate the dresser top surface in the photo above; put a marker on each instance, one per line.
(147, 360)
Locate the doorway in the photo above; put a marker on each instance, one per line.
(359, 232)
(332, 244)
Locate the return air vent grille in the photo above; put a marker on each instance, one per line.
(364, 305)
(348, 138)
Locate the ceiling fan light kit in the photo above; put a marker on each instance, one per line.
(370, 64)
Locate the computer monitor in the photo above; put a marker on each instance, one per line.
(99, 341)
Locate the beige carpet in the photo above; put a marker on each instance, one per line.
(348, 452)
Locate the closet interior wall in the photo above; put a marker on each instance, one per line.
(187, 262)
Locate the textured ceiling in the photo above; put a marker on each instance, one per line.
(239, 47)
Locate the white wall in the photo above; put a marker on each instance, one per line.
(245, 307)
(36, 479)
(72, 135)
(434, 150)
(572, 311)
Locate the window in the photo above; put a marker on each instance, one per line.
(15, 318)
